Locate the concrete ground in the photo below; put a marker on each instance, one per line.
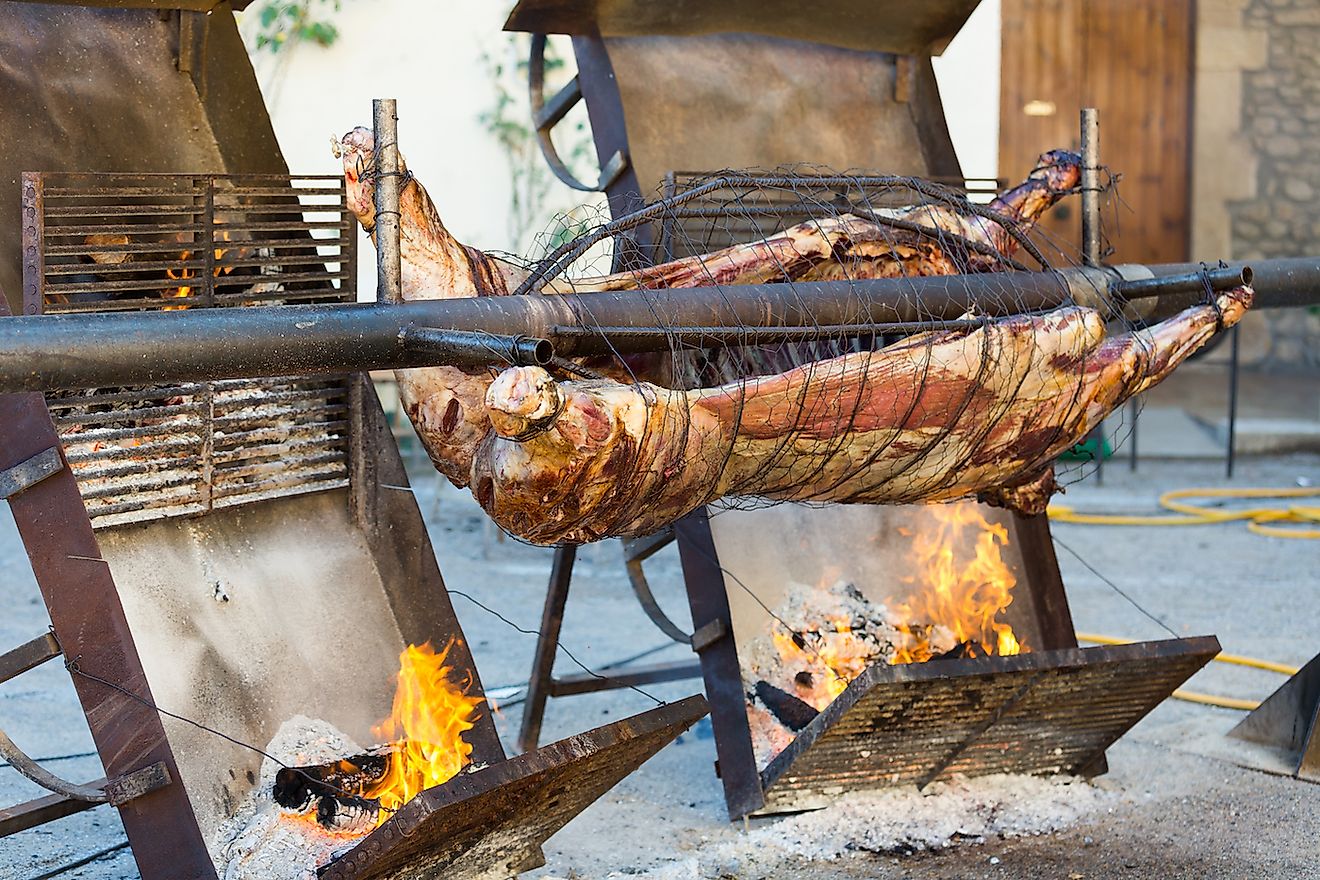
(1187, 807)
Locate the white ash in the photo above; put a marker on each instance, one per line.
(896, 822)
(817, 641)
(262, 841)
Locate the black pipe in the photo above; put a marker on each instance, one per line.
(463, 348)
(1283, 283)
(137, 348)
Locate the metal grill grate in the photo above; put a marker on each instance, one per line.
(1047, 712)
(110, 242)
(736, 214)
(161, 241)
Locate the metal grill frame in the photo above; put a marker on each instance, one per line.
(779, 204)
(1036, 713)
(181, 450)
(750, 789)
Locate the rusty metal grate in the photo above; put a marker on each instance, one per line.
(738, 213)
(489, 823)
(1046, 712)
(114, 242)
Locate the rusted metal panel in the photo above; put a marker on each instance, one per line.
(1044, 712)
(487, 822)
(1289, 720)
(905, 26)
(89, 622)
(1042, 580)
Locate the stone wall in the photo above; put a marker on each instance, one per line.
(1277, 212)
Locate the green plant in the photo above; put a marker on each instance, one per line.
(536, 197)
(282, 23)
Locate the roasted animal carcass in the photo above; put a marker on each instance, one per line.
(447, 405)
(936, 417)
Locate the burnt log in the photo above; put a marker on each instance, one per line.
(792, 712)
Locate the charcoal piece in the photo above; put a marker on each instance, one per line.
(347, 815)
(960, 651)
(296, 787)
(792, 712)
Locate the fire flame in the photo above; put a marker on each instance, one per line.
(425, 728)
(184, 274)
(963, 595)
(842, 656)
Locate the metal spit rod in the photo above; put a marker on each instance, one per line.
(389, 271)
(138, 348)
(1090, 187)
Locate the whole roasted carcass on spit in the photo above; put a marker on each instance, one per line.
(942, 415)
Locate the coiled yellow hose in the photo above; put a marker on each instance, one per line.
(1261, 520)
(1207, 699)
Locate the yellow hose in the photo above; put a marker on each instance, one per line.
(1207, 699)
(1260, 520)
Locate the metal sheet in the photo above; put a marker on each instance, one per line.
(1289, 720)
(745, 101)
(906, 26)
(866, 545)
(98, 89)
(1046, 712)
(486, 823)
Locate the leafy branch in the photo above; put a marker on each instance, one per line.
(533, 188)
(282, 23)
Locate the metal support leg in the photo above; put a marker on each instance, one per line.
(547, 642)
(1232, 405)
(1133, 412)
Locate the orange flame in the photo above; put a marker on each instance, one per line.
(842, 657)
(966, 596)
(183, 274)
(425, 728)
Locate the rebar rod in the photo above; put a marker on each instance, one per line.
(1090, 187)
(389, 269)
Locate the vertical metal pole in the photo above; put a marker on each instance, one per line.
(1133, 412)
(1090, 187)
(385, 119)
(1091, 234)
(1232, 404)
(34, 243)
(547, 644)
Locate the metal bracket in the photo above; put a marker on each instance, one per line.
(130, 786)
(634, 551)
(547, 114)
(708, 634)
(28, 655)
(27, 474)
(1289, 720)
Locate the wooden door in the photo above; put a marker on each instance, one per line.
(1132, 60)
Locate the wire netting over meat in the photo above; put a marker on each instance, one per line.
(869, 412)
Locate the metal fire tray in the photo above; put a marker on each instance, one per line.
(1045, 712)
(491, 822)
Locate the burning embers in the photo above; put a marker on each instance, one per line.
(821, 638)
(425, 747)
(325, 792)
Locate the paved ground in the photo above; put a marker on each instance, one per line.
(1187, 809)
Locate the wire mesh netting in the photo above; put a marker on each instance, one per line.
(739, 410)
